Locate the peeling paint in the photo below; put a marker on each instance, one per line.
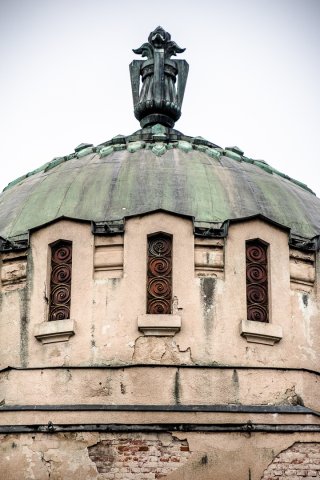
(103, 389)
(292, 397)
(289, 397)
(308, 309)
(160, 350)
(47, 464)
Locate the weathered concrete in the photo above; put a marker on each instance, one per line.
(99, 456)
(206, 361)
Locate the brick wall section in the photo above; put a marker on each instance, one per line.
(299, 462)
(138, 458)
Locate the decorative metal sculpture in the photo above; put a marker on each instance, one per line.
(60, 282)
(257, 281)
(159, 275)
(159, 100)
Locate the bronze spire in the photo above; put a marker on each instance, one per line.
(163, 80)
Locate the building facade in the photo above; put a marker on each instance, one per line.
(159, 306)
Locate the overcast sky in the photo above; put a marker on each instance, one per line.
(253, 82)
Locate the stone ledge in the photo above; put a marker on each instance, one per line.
(159, 325)
(55, 331)
(260, 332)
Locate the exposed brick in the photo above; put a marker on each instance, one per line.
(138, 458)
(302, 460)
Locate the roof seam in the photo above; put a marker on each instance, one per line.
(159, 146)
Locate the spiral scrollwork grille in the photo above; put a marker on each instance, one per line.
(159, 274)
(60, 281)
(257, 281)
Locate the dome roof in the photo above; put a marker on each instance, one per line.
(157, 168)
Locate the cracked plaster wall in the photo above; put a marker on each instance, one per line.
(105, 311)
(211, 303)
(154, 385)
(184, 456)
(302, 460)
(91, 456)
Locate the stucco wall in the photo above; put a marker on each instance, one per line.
(103, 358)
(109, 294)
(127, 456)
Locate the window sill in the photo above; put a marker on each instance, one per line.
(55, 331)
(159, 325)
(259, 332)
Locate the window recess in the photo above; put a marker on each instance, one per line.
(159, 274)
(257, 281)
(162, 317)
(60, 327)
(60, 280)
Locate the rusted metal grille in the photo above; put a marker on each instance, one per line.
(257, 281)
(60, 281)
(159, 275)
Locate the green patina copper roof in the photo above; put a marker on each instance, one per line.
(157, 168)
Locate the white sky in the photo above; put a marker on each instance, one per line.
(253, 82)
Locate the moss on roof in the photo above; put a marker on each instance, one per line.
(151, 169)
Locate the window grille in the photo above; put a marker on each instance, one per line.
(60, 280)
(159, 274)
(257, 281)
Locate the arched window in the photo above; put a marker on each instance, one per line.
(159, 274)
(60, 280)
(257, 281)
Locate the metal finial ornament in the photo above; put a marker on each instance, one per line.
(160, 97)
